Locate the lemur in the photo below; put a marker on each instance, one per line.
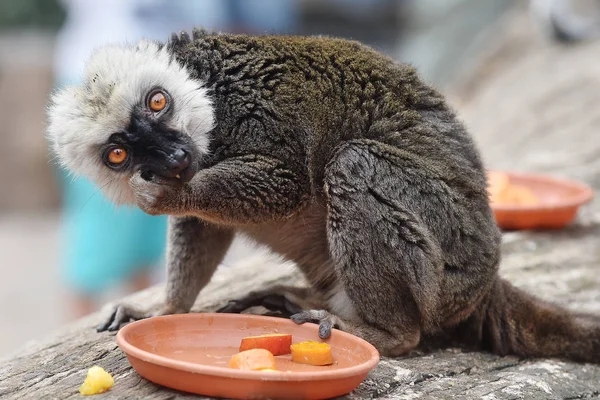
(335, 156)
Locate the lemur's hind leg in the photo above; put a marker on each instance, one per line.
(387, 263)
(287, 300)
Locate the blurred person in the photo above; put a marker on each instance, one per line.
(104, 245)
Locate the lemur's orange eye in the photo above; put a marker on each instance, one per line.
(158, 101)
(117, 156)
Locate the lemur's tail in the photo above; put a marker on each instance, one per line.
(514, 322)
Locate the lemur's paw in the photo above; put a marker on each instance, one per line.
(271, 301)
(121, 316)
(325, 319)
(156, 196)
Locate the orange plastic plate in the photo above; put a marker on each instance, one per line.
(559, 201)
(191, 352)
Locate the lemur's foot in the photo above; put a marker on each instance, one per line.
(121, 315)
(271, 301)
(325, 319)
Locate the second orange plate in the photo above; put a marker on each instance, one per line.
(191, 352)
(558, 201)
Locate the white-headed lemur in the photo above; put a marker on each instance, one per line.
(335, 156)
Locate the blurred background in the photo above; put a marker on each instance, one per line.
(43, 44)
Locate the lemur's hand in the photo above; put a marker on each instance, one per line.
(157, 196)
(122, 314)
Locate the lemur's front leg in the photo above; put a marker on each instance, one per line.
(249, 189)
(196, 248)
(238, 191)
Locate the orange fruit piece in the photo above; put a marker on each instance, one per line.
(276, 343)
(253, 360)
(312, 353)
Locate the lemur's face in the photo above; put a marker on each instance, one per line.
(137, 111)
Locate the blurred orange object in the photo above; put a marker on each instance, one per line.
(518, 195)
(253, 360)
(312, 353)
(497, 184)
(530, 201)
(503, 191)
(276, 343)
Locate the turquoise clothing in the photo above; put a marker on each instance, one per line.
(104, 244)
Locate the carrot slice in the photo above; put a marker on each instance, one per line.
(254, 360)
(276, 343)
(312, 353)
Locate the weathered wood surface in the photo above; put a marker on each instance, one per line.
(531, 106)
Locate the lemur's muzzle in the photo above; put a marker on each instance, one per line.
(161, 151)
(176, 164)
(172, 165)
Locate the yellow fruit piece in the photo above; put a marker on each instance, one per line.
(311, 353)
(96, 381)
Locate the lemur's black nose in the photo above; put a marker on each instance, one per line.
(178, 162)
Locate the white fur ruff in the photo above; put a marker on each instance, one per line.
(117, 78)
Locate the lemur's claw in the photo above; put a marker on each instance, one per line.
(326, 320)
